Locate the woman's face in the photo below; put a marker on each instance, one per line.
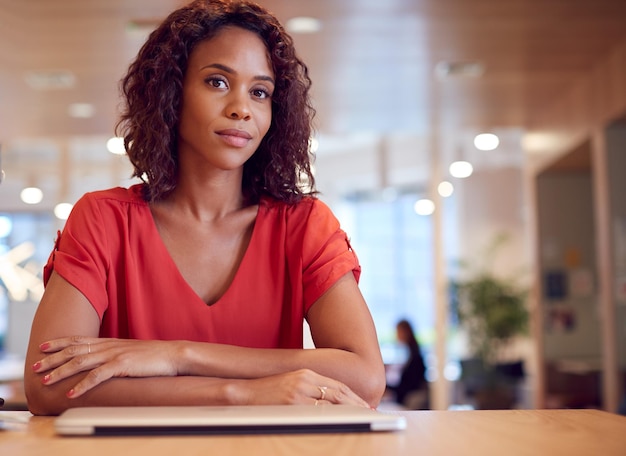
(226, 105)
(401, 335)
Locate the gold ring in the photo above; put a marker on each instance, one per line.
(316, 401)
(88, 348)
(323, 391)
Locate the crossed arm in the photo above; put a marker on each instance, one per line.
(67, 365)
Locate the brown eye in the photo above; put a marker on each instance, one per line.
(261, 93)
(216, 82)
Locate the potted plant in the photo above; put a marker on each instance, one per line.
(492, 311)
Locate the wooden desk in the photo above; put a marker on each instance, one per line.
(484, 433)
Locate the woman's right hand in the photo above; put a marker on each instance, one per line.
(104, 359)
(303, 386)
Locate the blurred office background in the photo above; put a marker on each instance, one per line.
(402, 89)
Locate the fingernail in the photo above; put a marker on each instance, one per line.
(70, 393)
(44, 346)
(46, 378)
(36, 366)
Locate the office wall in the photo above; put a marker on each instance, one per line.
(491, 202)
(566, 232)
(581, 114)
(616, 150)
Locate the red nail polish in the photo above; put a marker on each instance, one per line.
(44, 346)
(36, 366)
(70, 393)
(46, 378)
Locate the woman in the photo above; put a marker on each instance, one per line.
(412, 389)
(192, 287)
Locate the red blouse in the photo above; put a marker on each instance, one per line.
(111, 251)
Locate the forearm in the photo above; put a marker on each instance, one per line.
(302, 386)
(79, 371)
(145, 391)
(364, 376)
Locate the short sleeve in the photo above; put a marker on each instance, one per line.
(79, 254)
(326, 253)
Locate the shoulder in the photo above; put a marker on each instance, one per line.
(95, 206)
(306, 208)
(132, 194)
(309, 221)
(112, 197)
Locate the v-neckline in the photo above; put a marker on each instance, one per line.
(172, 264)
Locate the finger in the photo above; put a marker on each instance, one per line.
(56, 345)
(61, 357)
(344, 395)
(92, 379)
(74, 366)
(336, 392)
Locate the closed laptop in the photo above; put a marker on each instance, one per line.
(207, 420)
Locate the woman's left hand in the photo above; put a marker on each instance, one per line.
(104, 359)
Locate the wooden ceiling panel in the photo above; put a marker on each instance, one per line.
(373, 63)
(374, 57)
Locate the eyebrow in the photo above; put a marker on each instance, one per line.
(229, 70)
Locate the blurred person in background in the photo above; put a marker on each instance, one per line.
(412, 390)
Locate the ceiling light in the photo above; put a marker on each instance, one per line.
(445, 189)
(31, 195)
(486, 141)
(115, 145)
(62, 210)
(81, 110)
(303, 24)
(424, 207)
(461, 169)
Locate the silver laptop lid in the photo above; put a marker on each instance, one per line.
(205, 420)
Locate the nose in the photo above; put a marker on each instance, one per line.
(238, 107)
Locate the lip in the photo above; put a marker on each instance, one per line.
(235, 138)
(234, 132)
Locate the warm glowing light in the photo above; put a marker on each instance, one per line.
(62, 210)
(303, 24)
(445, 189)
(461, 169)
(486, 141)
(116, 146)
(31, 195)
(424, 207)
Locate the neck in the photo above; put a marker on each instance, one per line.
(207, 199)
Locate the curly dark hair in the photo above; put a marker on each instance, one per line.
(153, 89)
